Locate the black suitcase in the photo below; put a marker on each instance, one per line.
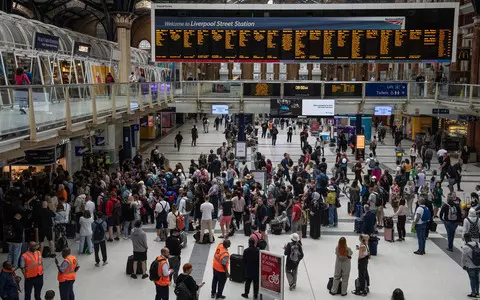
(315, 228)
(330, 285)
(206, 237)
(47, 252)
(304, 231)
(60, 244)
(70, 231)
(247, 229)
(237, 267)
(129, 269)
(432, 226)
(276, 228)
(358, 226)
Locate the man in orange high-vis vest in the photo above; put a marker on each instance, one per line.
(31, 264)
(164, 272)
(221, 260)
(67, 273)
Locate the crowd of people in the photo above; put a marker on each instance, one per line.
(97, 207)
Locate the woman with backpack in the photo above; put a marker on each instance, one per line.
(471, 225)
(186, 288)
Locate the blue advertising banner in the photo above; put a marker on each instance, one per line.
(46, 42)
(386, 90)
(280, 23)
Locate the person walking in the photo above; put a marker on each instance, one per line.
(163, 282)
(178, 140)
(274, 133)
(401, 215)
(31, 263)
(451, 215)
(67, 274)
(471, 264)
(86, 232)
(251, 260)
(363, 276)
(15, 243)
(174, 245)
(373, 146)
(413, 153)
(294, 253)
(194, 135)
(206, 210)
(421, 218)
(221, 262)
(186, 279)
(289, 134)
(99, 227)
(342, 267)
(471, 225)
(140, 248)
(9, 288)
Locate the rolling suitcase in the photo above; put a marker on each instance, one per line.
(388, 234)
(358, 226)
(206, 237)
(373, 244)
(247, 229)
(129, 269)
(237, 267)
(358, 210)
(276, 228)
(304, 231)
(183, 237)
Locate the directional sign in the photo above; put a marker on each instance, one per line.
(440, 111)
(399, 90)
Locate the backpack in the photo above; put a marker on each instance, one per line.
(323, 180)
(371, 163)
(188, 205)
(180, 221)
(473, 230)
(262, 244)
(153, 271)
(219, 151)
(295, 253)
(452, 213)
(373, 144)
(231, 156)
(99, 233)
(117, 208)
(378, 200)
(426, 214)
(182, 291)
(475, 254)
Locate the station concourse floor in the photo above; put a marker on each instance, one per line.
(436, 275)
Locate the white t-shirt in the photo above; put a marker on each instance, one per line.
(182, 206)
(162, 205)
(420, 212)
(206, 209)
(172, 220)
(90, 206)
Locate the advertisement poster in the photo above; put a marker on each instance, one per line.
(318, 107)
(241, 150)
(271, 274)
(286, 107)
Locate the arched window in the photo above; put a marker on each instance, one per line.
(100, 31)
(144, 45)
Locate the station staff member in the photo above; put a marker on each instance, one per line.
(67, 273)
(31, 264)
(221, 260)
(164, 272)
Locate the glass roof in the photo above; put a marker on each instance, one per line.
(17, 32)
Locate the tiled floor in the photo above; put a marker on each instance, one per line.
(436, 275)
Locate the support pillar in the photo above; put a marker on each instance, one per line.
(276, 71)
(123, 22)
(247, 71)
(310, 71)
(230, 71)
(474, 69)
(263, 71)
(292, 71)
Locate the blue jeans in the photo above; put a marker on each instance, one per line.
(219, 278)
(473, 275)
(88, 238)
(126, 227)
(420, 229)
(450, 227)
(14, 252)
(332, 214)
(187, 221)
(230, 183)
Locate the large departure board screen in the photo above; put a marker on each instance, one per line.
(219, 35)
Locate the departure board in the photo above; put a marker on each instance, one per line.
(303, 45)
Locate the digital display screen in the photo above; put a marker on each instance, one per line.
(220, 109)
(383, 111)
(261, 89)
(301, 89)
(318, 107)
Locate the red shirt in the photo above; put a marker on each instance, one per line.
(297, 211)
(110, 207)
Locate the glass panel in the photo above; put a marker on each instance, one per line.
(81, 107)
(48, 114)
(13, 119)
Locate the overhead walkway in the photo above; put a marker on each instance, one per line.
(51, 109)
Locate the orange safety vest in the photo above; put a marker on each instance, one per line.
(220, 254)
(69, 273)
(164, 280)
(33, 264)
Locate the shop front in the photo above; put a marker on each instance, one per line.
(158, 124)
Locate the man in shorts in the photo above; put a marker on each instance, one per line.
(161, 212)
(140, 248)
(45, 227)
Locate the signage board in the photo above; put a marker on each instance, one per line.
(41, 156)
(260, 177)
(241, 150)
(383, 111)
(220, 109)
(395, 90)
(46, 42)
(318, 107)
(466, 118)
(81, 49)
(440, 111)
(360, 142)
(272, 278)
(261, 89)
(463, 54)
(340, 90)
(80, 150)
(302, 89)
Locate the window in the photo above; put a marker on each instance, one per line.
(101, 34)
(144, 45)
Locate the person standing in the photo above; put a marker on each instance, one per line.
(471, 264)
(294, 253)
(178, 140)
(206, 210)
(31, 264)
(9, 288)
(373, 146)
(289, 134)
(226, 218)
(363, 276)
(112, 210)
(342, 267)
(274, 133)
(401, 214)
(194, 135)
(164, 272)
(140, 248)
(67, 274)
(86, 232)
(297, 212)
(251, 260)
(189, 282)
(15, 243)
(45, 227)
(413, 153)
(99, 227)
(451, 215)
(161, 212)
(332, 206)
(221, 261)
(185, 207)
(421, 218)
(174, 245)
(238, 203)
(109, 80)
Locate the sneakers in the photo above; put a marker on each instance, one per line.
(97, 265)
(472, 296)
(117, 238)
(418, 252)
(134, 276)
(105, 263)
(220, 297)
(144, 276)
(292, 287)
(109, 240)
(157, 239)
(245, 296)
(212, 296)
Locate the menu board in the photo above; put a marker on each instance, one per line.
(225, 44)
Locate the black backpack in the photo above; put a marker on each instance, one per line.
(153, 274)
(182, 291)
(475, 254)
(99, 233)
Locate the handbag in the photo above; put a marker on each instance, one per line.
(338, 204)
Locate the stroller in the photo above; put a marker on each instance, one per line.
(278, 224)
(61, 241)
